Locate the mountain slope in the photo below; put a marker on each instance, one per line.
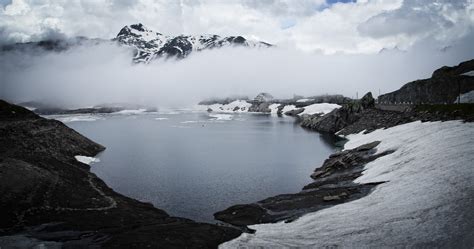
(150, 44)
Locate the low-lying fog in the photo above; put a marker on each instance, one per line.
(89, 75)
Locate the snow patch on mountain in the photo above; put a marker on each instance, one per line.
(466, 97)
(150, 45)
(87, 160)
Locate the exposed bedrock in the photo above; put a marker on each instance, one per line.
(444, 87)
(339, 118)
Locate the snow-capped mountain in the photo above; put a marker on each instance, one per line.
(150, 44)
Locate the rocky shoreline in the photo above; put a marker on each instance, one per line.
(333, 182)
(50, 198)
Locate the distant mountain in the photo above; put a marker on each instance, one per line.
(147, 44)
(150, 44)
(55, 45)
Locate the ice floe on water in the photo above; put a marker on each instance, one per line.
(87, 160)
(426, 200)
(75, 118)
(220, 116)
(131, 112)
(322, 108)
(161, 118)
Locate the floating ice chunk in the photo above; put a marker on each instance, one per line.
(75, 118)
(221, 116)
(131, 112)
(161, 118)
(87, 160)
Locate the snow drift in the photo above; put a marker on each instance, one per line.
(427, 199)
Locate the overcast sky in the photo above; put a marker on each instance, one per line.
(323, 46)
(328, 26)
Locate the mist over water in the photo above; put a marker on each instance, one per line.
(90, 75)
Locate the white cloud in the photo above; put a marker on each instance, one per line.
(366, 26)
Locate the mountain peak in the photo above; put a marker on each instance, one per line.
(150, 44)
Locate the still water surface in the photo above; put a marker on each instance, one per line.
(195, 164)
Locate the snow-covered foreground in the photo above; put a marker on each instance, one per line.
(426, 202)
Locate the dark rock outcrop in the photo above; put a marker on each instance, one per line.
(295, 112)
(339, 118)
(333, 184)
(260, 107)
(47, 195)
(444, 87)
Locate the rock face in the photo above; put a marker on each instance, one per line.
(339, 118)
(444, 87)
(47, 195)
(150, 44)
(333, 184)
(260, 107)
(261, 103)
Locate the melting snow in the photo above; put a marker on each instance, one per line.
(427, 201)
(221, 116)
(323, 108)
(75, 118)
(131, 112)
(470, 73)
(288, 108)
(466, 97)
(304, 100)
(228, 108)
(87, 160)
(273, 108)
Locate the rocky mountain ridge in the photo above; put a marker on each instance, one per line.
(150, 45)
(147, 44)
